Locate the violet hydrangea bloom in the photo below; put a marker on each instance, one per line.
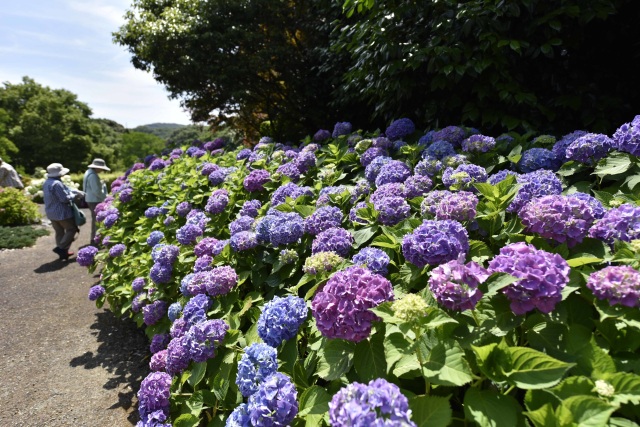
(305, 160)
(160, 273)
(362, 188)
(597, 210)
(117, 250)
(256, 180)
(393, 171)
(155, 237)
(258, 362)
(250, 208)
(198, 217)
(243, 154)
(627, 137)
(392, 210)
(280, 319)
(126, 195)
(290, 189)
(616, 284)
(430, 202)
(158, 362)
(154, 394)
(371, 153)
(373, 169)
(538, 158)
(399, 129)
(204, 337)
(95, 292)
(188, 234)
(195, 310)
(321, 135)
(138, 284)
(289, 170)
(159, 342)
(455, 284)
(589, 148)
(560, 147)
(239, 417)
(533, 185)
(435, 242)
(183, 209)
(439, 150)
(243, 223)
(206, 246)
(324, 195)
(460, 206)
(220, 280)
(154, 312)
(153, 212)
(274, 403)
(463, 176)
(452, 134)
(139, 301)
(542, 276)
(374, 259)
(353, 213)
(478, 143)
(207, 168)
(341, 128)
(86, 255)
(559, 218)
(243, 241)
(428, 167)
(341, 308)
(417, 186)
(334, 239)
(621, 223)
(501, 176)
(322, 219)
(394, 189)
(174, 311)
(203, 263)
(178, 354)
(379, 403)
(217, 202)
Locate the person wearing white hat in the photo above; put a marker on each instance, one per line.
(95, 190)
(58, 209)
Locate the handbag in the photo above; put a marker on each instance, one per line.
(79, 217)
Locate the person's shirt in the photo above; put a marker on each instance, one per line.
(9, 177)
(56, 200)
(95, 191)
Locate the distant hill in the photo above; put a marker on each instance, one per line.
(162, 130)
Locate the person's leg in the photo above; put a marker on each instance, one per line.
(70, 230)
(92, 208)
(58, 228)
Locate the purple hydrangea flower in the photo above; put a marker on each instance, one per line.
(139, 301)
(394, 189)
(451, 134)
(117, 250)
(373, 169)
(198, 217)
(334, 239)
(280, 319)
(322, 219)
(431, 201)
(204, 337)
(157, 164)
(464, 176)
(621, 223)
(374, 259)
(256, 180)
(542, 276)
(393, 171)
(174, 311)
(435, 242)
(501, 176)
(455, 284)
(138, 284)
(159, 342)
(428, 167)
(417, 186)
(341, 308)
(399, 129)
(305, 160)
(195, 310)
(538, 158)
(218, 281)
(379, 403)
(559, 218)
(290, 189)
(627, 137)
(243, 241)
(153, 212)
(274, 403)
(560, 147)
(427, 138)
(161, 273)
(382, 142)
(243, 154)
(362, 188)
(110, 220)
(203, 263)
(154, 312)
(178, 355)
(460, 206)
(183, 209)
(86, 255)
(597, 210)
(439, 150)
(250, 208)
(321, 135)
(533, 185)
(289, 170)
(188, 234)
(243, 223)
(218, 176)
(258, 362)
(154, 394)
(158, 363)
(371, 153)
(392, 210)
(353, 213)
(125, 195)
(217, 202)
(589, 148)
(341, 128)
(324, 196)
(155, 237)
(478, 144)
(207, 168)
(616, 284)
(95, 292)
(206, 246)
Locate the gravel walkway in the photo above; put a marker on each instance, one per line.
(62, 361)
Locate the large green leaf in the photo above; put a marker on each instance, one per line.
(314, 403)
(543, 417)
(446, 365)
(613, 164)
(430, 411)
(369, 360)
(363, 235)
(626, 386)
(490, 409)
(336, 358)
(197, 373)
(531, 369)
(584, 411)
(186, 420)
(395, 347)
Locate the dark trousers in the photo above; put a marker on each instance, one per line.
(65, 230)
(92, 208)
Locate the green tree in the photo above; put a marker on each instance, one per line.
(137, 145)
(108, 135)
(7, 147)
(46, 125)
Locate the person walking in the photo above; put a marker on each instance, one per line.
(95, 190)
(8, 176)
(57, 198)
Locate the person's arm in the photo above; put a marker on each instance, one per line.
(3, 173)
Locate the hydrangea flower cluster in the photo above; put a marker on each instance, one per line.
(204, 337)
(153, 212)
(305, 160)
(621, 223)
(542, 276)
(198, 217)
(428, 167)
(393, 171)
(281, 318)
(341, 128)
(334, 239)
(538, 158)
(154, 394)
(379, 403)
(195, 310)
(387, 190)
(250, 208)
(371, 153)
(96, 292)
(321, 135)
(417, 186)
(138, 284)
(374, 259)
(373, 169)
(392, 210)
(559, 218)
(589, 148)
(560, 148)
(478, 144)
(258, 362)
(243, 154)
(158, 363)
(217, 202)
(627, 137)
(353, 213)
(616, 284)
(322, 219)
(86, 256)
(274, 403)
(290, 189)
(126, 195)
(280, 228)
(188, 234)
(242, 223)
(341, 308)
(117, 250)
(289, 170)
(410, 308)
(288, 256)
(399, 129)
(324, 195)
(217, 281)
(152, 313)
(174, 311)
(243, 241)
(435, 242)
(597, 210)
(362, 188)
(463, 176)
(535, 184)
(460, 206)
(455, 284)
(203, 263)
(256, 180)
(155, 237)
(501, 176)
(322, 262)
(159, 342)
(439, 150)
(207, 246)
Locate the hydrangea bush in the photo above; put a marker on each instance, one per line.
(417, 277)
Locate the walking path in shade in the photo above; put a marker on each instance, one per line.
(63, 362)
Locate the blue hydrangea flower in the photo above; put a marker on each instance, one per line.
(153, 212)
(362, 188)
(334, 239)
(274, 403)
(399, 129)
(86, 255)
(560, 147)
(217, 202)
(203, 263)
(322, 219)
(417, 186)
(589, 148)
(393, 171)
(155, 237)
(353, 213)
(258, 362)
(371, 153)
(198, 217)
(195, 310)
(501, 176)
(621, 223)
(451, 134)
(96, 292)
(188, 234)
(161, 273)
(243, 241)
(174, 311)
(538, 158)
(117, 250)
(159, 342)
(256, 180)
(324, 195)
(280, 319)
(305, 160)
(373, 169)
(165, 254)
(597, 210)
(374, 259)
(290, 189)
(154, 394)
(341, 128)
(464, 176)
(439, 150)
(138, 284)
(533, 185)
(239, 417)
(178, 354)
(243, 223)
(429, 166)
(435, 242)
(153, 312)
(204, 337)
(250, 208)
(289, 170)
(627, 137)
(478, 143)
(243, 154)
(394, 189)
(321, 135)
(392, 210)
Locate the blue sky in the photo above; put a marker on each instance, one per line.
(67, 44)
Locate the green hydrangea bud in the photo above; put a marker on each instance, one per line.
(288, 256)
(635, 245)
(321, 262)
(410, 308)
(604, 389)
(544, 140)
(278, 156)
(614, 203)
(363, 145)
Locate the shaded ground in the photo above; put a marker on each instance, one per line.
(63, 362)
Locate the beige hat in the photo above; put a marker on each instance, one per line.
(56, 170)
(99, 164)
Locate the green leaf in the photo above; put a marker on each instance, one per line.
(221, 381)
(336, 358)
(627, 388)
(543, 417)
(363, 235)
(584, 411)
(479, 251)
(196, 403)
(530, 369)
(488, 360)
(446, 365)
(369, 360)
(395, 346)
(186, 420)
(407, 367)
(495, 282)
(197, 373)
(584, 260)
(314, 403)
(430, 411)
(490, 409)
(614, 164)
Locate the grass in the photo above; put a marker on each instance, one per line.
(21, 236)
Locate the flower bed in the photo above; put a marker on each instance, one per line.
(361, 279)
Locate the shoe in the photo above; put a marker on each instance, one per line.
(64, 255)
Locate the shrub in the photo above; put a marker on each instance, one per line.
(16, 208)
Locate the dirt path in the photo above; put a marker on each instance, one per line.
(62, 361)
